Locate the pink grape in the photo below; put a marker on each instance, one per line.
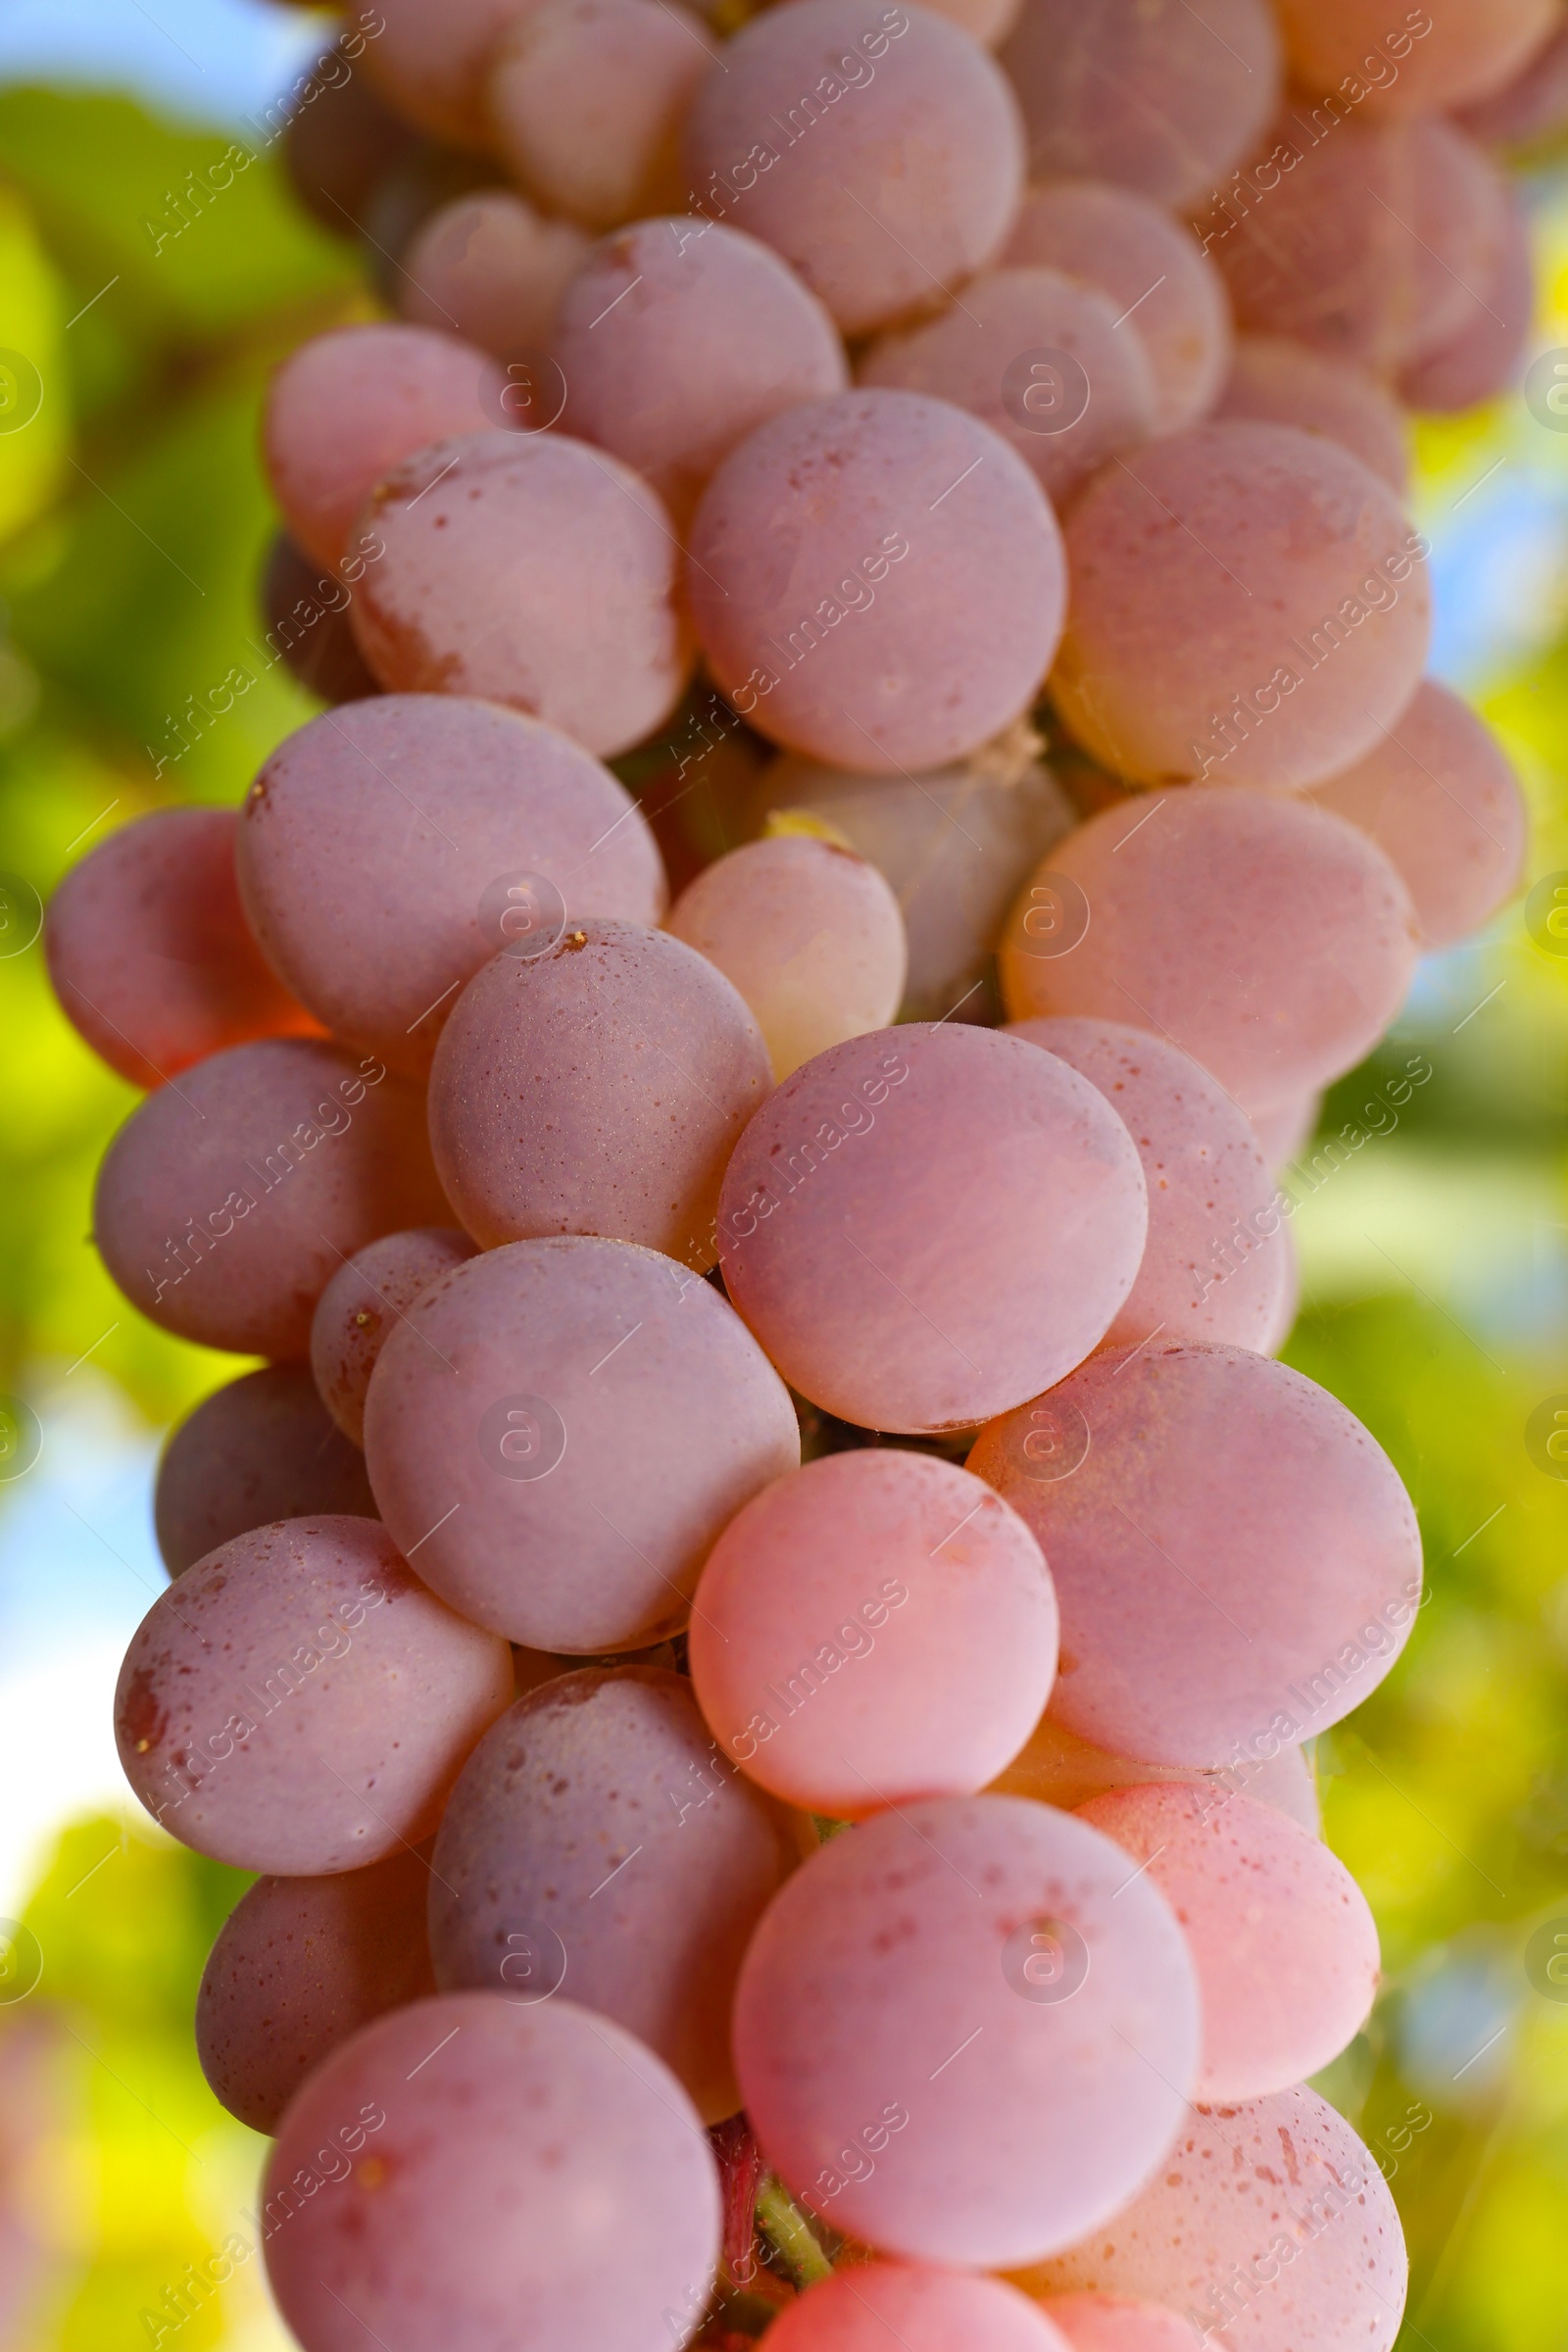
(1269, 2221)
(493, 269)
(227, 1198)
(237, 1751)
(1479, 358)
(910, 1282)
(864, 2308)
(810, 935)
(306, 616)
(1360, 238)
(963, 2035)
(1275, 381)
(262, 1449)
(387, 851)
(1116, 2323)
(369, 1295)
(339, 146)
(912, 531)
(1164, 288)
(1306, 918)
(1247, 603)
(1533, 106)
(149, 952)
(599, 1088)
(531, 570)
(1163, 100)
(559, 1432)
(588, 98)
(597, 1842)
(1065, 423)
(955, 846)
(1214, 1264)
(301, 1963)
(348, 407)
(678, 339)
(1283, 1943)
(882, 156)
(1439, 795)
(1466, 50)
(988, 21)
(489, 2176)
(1205, 1618)
(1285, 1130)
(1057, 1768)
(430, 63)
(873, 1628)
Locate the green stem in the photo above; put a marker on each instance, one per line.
(789, 2232)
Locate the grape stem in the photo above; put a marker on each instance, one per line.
(790, 2234)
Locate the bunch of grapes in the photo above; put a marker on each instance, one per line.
(763, 1618)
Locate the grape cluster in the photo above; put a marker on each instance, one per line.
(763, 1619)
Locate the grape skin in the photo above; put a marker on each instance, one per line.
(863, 2308)
(1274, 380)
(1058, 1768)
(262, 1447)
(356, 1311)
(309, 1640)
(494, 267)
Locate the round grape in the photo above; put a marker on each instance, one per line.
(1058, 1768)
(305, 608)
(928, 1218)
(1482, 355)
(1467, 50)
(1236, 1562)
(1116, 2323)
(262, 1449)
(298, 1703)
(494, 270)
(964, 2034)
(560, 1429)
(387, 851)
(864, 2308)
(1275, 381)
(369, 1293)
(430, 63)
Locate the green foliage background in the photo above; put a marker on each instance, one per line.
(133, 520)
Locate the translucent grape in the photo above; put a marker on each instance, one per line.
(430, 63)
(908, 1282)
(149, 952)
(598, 1842)
(678, 339)
(1209, 1618)
(1360, 238)
(262, 1447)
(1301, 2255)
(494, 270)
(389, 850)
(1275, 381)
(1116, 2323)
(559, 1432)
(962, 2032)
(955, 845)
(347, 406)
(532, 570)
(1164, 289)
(1307, 919)
(881, 156)
(1163, 100)
(355, 1313)
(227, 1198)
(1214, 1264)
(305, 614)
(1439, 795)
(599, 1088)
(1058, 1768)
(1247, 603)
(484, 2174)
(898, 622)
(808, 934)
(300, 1704)
(1280, 1937)
(301, 1963)
(998, 353)
(588, 98)
(1479, 358)
(872, 1629)
(866, 2308)
(1464, 51)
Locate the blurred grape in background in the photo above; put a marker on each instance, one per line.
(154, 262)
